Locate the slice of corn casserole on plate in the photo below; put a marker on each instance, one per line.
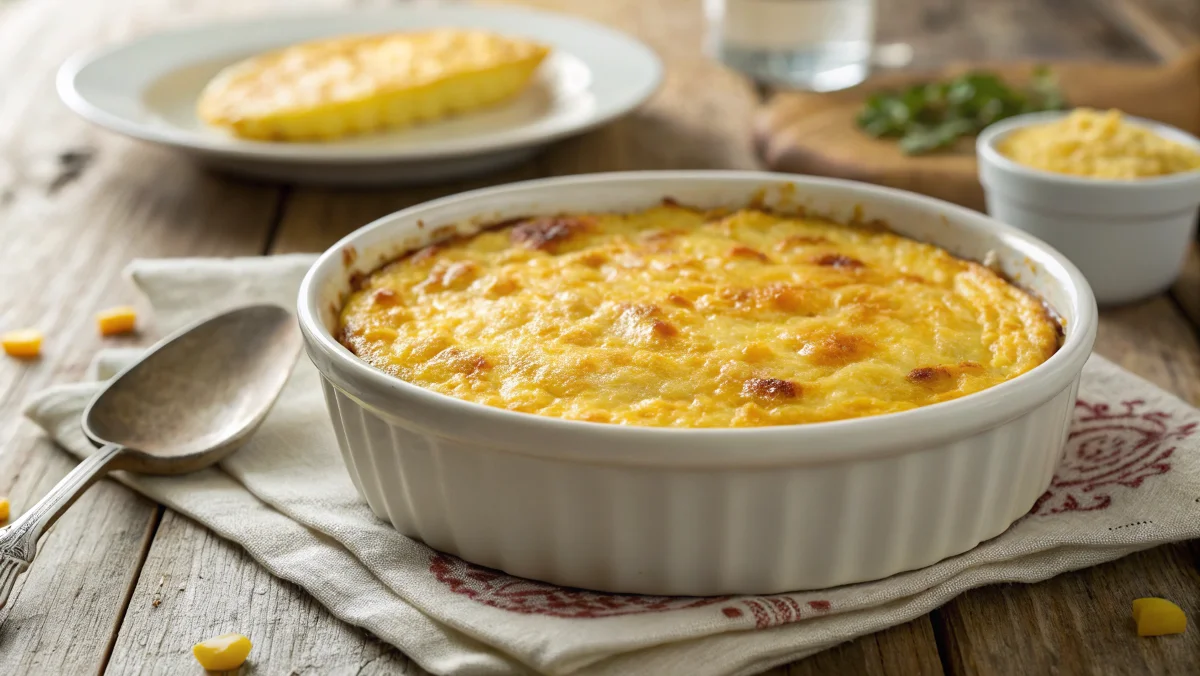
(329, 89)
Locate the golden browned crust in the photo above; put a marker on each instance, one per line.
(676, 316)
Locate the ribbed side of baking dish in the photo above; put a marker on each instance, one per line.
(699, 532)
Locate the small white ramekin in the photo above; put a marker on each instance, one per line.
(1129, 237)
(699, 511)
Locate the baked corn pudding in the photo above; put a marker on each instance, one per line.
(678, 317)
(1098, 145)
(329, 89)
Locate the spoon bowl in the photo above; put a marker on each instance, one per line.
(195, 397)
(190, 401)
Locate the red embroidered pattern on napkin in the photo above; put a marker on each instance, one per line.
(1105, 448)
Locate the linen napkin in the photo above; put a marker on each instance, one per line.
(1129, 480)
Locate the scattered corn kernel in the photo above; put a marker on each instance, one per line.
(26, 343)
(4, 510)
(116, 320)
(222, 653)
(1158, 617)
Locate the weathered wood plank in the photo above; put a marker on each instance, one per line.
(1153, 340)
(1187, 290)
(902, 650)
(1080, 622)
(1165, 27)
(225, 590)
(701, 147)
(75, 205)
(943, 31)
(194, 585)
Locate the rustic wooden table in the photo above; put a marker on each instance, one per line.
(122, 585)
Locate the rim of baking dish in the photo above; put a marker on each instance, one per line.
(985, 148)
(605, 443)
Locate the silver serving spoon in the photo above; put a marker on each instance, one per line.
(190, 401)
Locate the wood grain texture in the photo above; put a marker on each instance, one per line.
(194, 586)
(946, 31)
(207, 215)
(75, 205)
(1080, 623)
(80, 203)
(1077, 623)
(903, 650)
(1186, 291)
(1155, 341)
(1165, 27)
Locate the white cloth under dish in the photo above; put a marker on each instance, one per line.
(1130, 479)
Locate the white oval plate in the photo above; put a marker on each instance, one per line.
(147, 89)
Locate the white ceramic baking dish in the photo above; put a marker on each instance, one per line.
(699, 511)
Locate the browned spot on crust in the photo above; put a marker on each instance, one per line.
(670, 202)
(758, 201)
(444, 232)
(343, 337)
(716, 215)
(969, 365)
(916, 279)
(349, 255)
(501, 286)
(799, 240)
(385, 297)
(786, 298)
(837, 349)
(640, 310)
(747, 252)
(594, 259)
(639, 318)
(664, 329)
(770, 388)
(779, 296)
(424, 254)
(928, 375)
(357, 281)
(544, 234)
(680, 301)
(444, 276)
(460, 272)
(835, 260)
(508, 222)
(462, 361)
(859, 220)
(660, 235)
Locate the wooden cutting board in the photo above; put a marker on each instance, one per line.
(809, 133)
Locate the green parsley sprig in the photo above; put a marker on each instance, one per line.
(932, 116)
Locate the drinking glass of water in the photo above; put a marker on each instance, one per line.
(819, 45)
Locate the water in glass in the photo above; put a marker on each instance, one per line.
(819, 45)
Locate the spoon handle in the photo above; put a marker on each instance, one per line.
(18, 541)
